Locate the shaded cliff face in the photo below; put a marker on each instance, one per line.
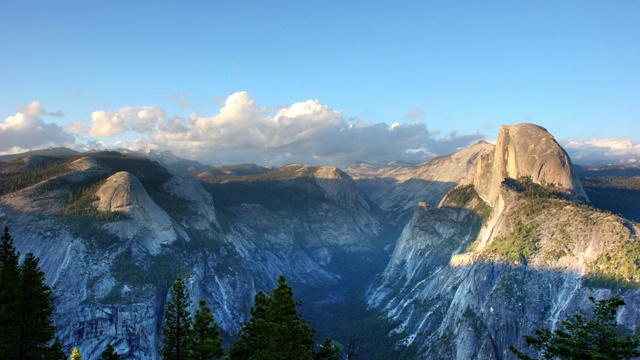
(526, 150)
(397, 188)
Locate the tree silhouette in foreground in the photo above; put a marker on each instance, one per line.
(109, 353)
(178, 324)
(597, 338)
(205, 341)
(276, 331)
(26, 307)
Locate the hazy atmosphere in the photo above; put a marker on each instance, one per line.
(322, 82)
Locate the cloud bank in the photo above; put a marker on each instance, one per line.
(602, 151)
(307, 132)
(242, 131)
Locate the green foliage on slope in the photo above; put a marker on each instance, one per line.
(80, 203)
(516, 246)
(619, 267)
(467, 196)
(159, 270)
(15, 176)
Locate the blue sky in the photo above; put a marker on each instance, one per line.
(328, 82)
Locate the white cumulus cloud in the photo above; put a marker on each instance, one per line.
(27, 130)
(141, 119)
(307, 131)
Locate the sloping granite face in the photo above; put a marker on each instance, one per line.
(526, 150)
(123, 192)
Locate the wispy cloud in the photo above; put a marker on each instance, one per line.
(181, 100)
(79, 93)
(415, 114)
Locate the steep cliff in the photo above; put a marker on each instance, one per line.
(526, 150)
(530, 257)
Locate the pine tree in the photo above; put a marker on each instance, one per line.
(36, 311)
(582, 338)
(9, 298)
(205, 341)
(26, 306)
(56, 352)
(178, 324)
(109, 353)
(328, 351)
(75, 354)
(275, 329)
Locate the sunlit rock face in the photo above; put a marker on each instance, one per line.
(525, 150)
(146, 223)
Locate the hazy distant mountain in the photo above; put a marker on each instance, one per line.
(173, 163)
(454, 258)
(57, 151)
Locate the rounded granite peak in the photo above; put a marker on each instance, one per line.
(526, 150)
(146, 223)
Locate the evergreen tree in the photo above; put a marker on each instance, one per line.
(56, 352)
(9, 298)
(178, 324)
(109, 353)
(597, 338)
(75, 354)
(36, 311)
(26, 306)
(275, 330)
(328, 351)
(205, 341)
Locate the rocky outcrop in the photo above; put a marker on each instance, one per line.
(526, 150)
(146, 224)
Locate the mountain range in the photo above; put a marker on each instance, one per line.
(456, 258)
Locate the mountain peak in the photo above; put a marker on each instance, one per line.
(526, 150)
